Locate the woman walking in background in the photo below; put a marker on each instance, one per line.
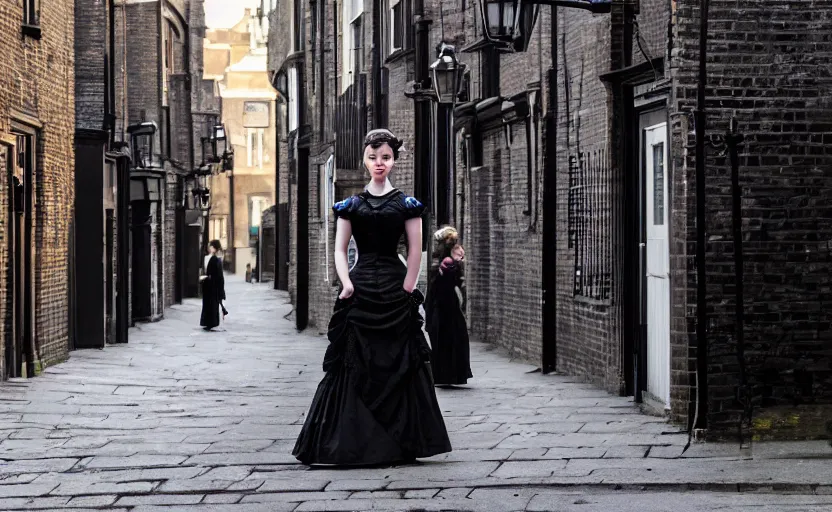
(446, 326)
(213, 287)
(376, 404)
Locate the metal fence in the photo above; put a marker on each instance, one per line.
(589, 224)
(351, 124)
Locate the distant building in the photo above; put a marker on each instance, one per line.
(236, 59)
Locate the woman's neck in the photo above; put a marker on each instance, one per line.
(379, 188)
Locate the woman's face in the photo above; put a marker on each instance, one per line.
(379, 161)
(458, 253)
(212, 249)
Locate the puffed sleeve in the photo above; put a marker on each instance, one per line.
(344, 209)
(413, 208)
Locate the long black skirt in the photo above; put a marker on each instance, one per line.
(376, 404)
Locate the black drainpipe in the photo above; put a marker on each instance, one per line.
(701, 409)
(378, 117)
(423, 186)
(550, 212)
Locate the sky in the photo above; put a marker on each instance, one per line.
(226, 13)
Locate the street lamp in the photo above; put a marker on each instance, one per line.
(447, 74)
(509, 23)
(447, 77)
(142, 136)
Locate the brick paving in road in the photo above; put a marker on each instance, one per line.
(180, 419)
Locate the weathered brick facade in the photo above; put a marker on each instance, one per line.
(616, 74)
(768, 67)
(37, 96)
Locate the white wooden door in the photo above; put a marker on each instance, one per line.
(658, 263)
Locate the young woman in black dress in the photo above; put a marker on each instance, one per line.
(213, 288)
(446, 325)
(376, 404)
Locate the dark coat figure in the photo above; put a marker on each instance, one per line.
(213, 291)
(445, 322)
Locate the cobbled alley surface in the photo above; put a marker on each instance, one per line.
(180, 419)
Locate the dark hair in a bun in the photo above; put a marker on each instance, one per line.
(376, 138)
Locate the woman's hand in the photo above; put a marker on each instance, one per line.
(346, 291)
(408, 290)
(458, 253)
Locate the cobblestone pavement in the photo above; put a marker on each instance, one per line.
(181, 419)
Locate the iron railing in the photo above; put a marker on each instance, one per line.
(351, 124)
(589, 224)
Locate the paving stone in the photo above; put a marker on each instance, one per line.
(376, 495)
(357, 485)
(628, 452)
(104, 500)
(238, 446)
(26, 490)
(297, 483)
(77, 488)
(224, 498)
(159, 499)
(195, 485)
(245, 459)
(297, 497)
(36, 466)
(233, 473)
(135, 461)
(239, 507)
(537, 468)
(421, 494)
(46, 503)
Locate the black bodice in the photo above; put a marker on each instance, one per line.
(378, 221)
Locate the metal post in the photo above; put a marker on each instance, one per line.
(701, 285)
(733, 141)
(550, 213)
(422, 154)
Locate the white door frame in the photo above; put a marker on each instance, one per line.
(657, 264)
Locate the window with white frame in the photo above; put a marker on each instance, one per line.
(218, 229)
(294, 90)
(351, 37)
(396, 26)
(257, 204)
(254, 149)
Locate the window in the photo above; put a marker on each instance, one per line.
(313, 41)
(357, 46)
(658, 184)
(256, 114)
(31, 18)
(254, 149)
(351, 42)
(294, 90)
(256, 206)
(396, 26)
(218, 230)
(298, 26)
(400, 32)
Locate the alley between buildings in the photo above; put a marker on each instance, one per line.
(180, 419)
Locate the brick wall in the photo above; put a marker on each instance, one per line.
(91, 40)
(588, 325)
(39, 79)
(768, 66)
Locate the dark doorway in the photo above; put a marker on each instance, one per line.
(302, 309)
(110, 276)
(92, 241)
(282, 264)
(142, 309)
(193, 259)
(21, 187)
